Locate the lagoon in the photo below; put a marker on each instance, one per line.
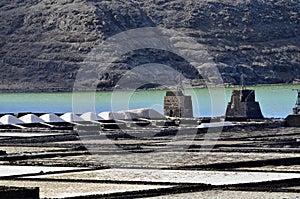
(275, 101)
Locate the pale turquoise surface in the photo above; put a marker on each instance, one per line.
(275, 101)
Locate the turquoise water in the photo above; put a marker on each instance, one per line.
(275, 101)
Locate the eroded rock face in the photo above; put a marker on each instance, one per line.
(44, 42)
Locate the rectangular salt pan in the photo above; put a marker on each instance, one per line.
(177, 176)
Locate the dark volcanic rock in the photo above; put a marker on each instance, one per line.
(44, 42)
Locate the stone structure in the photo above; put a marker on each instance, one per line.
(176, 104)
(294, 119)
(19, 192)
(296, 110)
(243, 106)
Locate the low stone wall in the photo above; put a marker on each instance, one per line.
(19, 192)
(292, 121)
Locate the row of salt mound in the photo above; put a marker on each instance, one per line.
(89, 116)
(146, 113)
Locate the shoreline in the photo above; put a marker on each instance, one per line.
(68, 90)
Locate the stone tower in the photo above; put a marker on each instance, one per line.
(176, 104)
(296, 109)
(294, 119)
(243, 106)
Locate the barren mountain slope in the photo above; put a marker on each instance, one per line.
(44, 42)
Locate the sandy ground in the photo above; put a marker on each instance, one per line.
(232, 195)
(173, 176)
(69, 189)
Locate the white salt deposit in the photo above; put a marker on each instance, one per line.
(51, 117)
(91, 116)
(71, 117)
(215, 124)
(147, 113)
(31, 118)
(9, 119)
(8, 170)
(177, 176)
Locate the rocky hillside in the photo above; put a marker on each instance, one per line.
(44, 42)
